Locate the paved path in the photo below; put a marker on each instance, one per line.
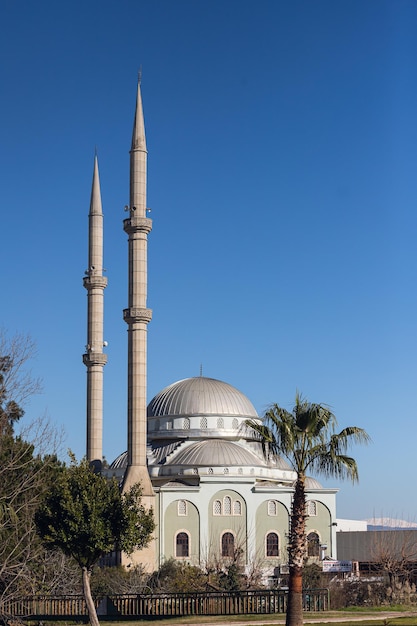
(318, 618)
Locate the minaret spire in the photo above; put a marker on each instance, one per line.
(137, 315)
(94, 358)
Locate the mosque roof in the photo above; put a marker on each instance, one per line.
(200, 396)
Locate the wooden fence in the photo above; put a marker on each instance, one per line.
(164, 605)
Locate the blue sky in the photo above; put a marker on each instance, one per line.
(282, 141)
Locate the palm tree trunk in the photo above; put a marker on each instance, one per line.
(296, 555)
(92, 613)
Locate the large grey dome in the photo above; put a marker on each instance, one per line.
(200, 396)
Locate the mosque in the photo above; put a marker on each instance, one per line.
(214, 496)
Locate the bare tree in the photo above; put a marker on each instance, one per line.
(395, 552)
(17, 383)
(27, 462)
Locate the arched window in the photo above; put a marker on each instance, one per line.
(182, 507)
(220, 422)
(311, 508)
(182, 547)
(186, 423)
(203, 422)
(225, 470)
(235, 424)
(217, 507)
(237, 507)
(228, 544)
(272, 544)
(313, 544)
(227, 505)
(272, 507)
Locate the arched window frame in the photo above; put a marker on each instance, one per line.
(182, 508)
(237, 507)
(227, 544)
(217, 508)
(313, 544)
(227, 505)
(270, 544)
(272, 508)
(312, 508)
(185, 545)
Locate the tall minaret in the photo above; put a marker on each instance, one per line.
(137, 315)
(94, 359)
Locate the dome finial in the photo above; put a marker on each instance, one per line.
(201, 370)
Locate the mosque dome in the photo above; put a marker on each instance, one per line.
(197, 427)
(215, 452)
(196, 408)
(312, 483)
(200, 396)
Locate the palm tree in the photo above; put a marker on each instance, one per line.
(306, 437)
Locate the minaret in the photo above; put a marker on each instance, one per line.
(94, 359)
(137, 315)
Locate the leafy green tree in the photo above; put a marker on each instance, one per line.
(231, 578)
(177, 577)
(306, 437)
(86, 516)
(313, 577)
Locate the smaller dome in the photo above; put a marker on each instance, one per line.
(120, 462)
(312, 483)
(215, 452)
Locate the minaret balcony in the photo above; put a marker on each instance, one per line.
(94, 358)
(95, 282)
(135, 224)
(133, 315)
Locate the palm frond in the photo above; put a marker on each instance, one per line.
(306, 437)
(338, 466)
(357, 435)
(264, 435)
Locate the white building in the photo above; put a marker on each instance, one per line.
(201, 469)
